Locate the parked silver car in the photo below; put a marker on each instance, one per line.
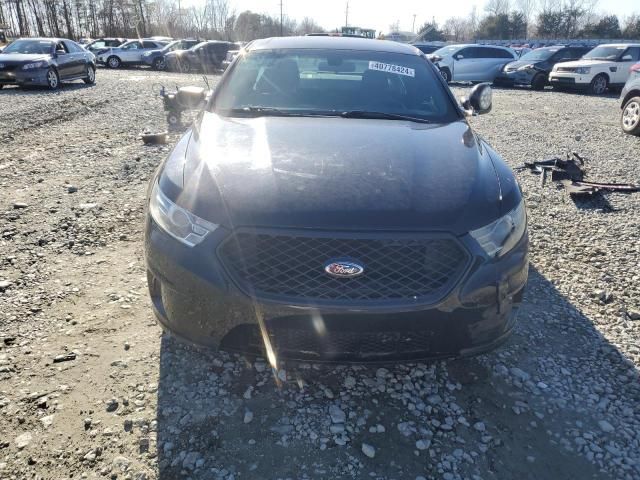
(471, 63)
(129, 53)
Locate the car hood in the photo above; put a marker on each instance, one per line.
(175, 53)
(335, 173)
(521, 63)
(22, 57)
(584, 63)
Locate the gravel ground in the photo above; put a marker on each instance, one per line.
(90, 388)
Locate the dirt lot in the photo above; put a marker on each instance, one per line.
(90, 388)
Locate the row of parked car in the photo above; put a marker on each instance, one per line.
(50, 61)
(184, 55)
(576, 67)
(562, 66)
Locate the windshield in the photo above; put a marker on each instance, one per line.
(30, 47)
(605, 53)
(540, 54)
(444, 51)
(172, 46)
(335, 81)
(197, 45)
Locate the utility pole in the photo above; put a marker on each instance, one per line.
(281, 27)
(413, 26)
(346, 16)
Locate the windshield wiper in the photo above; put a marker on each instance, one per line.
(254, 110)
(382, 116)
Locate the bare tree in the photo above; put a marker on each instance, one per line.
(497, 7)
(308, 25)
(527, 9)
(456, 28)
(472, 24)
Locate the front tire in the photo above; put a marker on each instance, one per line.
(539, 81)
(446, 74)
(599, 84)
(53, 79)
(159, 64)
(186, 67)
(91, 75)
(630, 118)
(113, 62)
(174, 119)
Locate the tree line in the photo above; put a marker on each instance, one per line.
(520, 19)
(217, 19)
(213, 19)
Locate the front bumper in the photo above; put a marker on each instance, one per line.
(570, 80)
(195, 299)
(24, 77)
(515, 77)
(149, 59)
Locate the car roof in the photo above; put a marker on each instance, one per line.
(333, 43)
(42, 39)
(483, 45)
(619, 45)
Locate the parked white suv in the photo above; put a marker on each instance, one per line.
(472, 63)
(603, 67)
(129, 53)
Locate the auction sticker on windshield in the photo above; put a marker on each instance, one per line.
(387, 67)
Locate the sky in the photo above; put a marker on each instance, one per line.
(379, 14)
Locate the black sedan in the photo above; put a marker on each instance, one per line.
(45, 62)
(205, 57)
(533, 68)
(333, 203)
(630, 97)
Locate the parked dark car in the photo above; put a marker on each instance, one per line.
(533, 68)
(155, 58)
(630, 105)
(46, 62)
(333, 203)
(103, 43)
(427, 48)
(204, 57)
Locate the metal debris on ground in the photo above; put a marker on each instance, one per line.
(64, 358)
(154, 138)
(570, 173)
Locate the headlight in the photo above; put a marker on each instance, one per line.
(181, 224)
(582, 70)
(525, 67)
(31, 66)
(501, 236)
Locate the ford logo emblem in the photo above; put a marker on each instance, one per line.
(343, 268)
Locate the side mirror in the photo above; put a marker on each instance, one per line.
(627, 58)
(458, 56)
(60, 52)
(479, 101)
(191, 98)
